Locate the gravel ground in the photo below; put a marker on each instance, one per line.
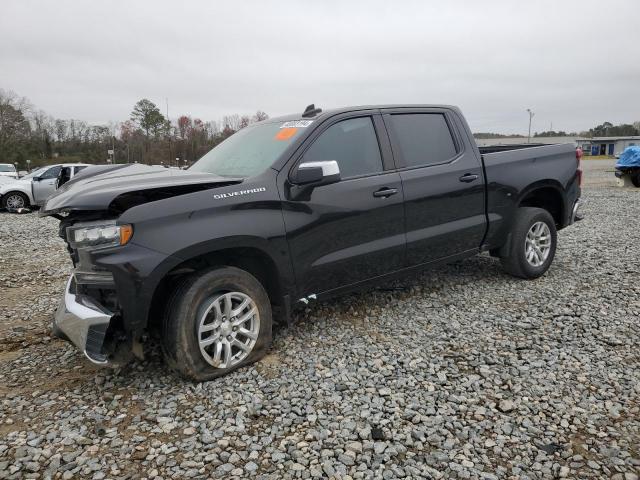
(461, 372)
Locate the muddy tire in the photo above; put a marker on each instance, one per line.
(216, 321)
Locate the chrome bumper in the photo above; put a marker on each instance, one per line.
(576, 215)
(83, 322)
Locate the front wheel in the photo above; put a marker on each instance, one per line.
(532, 244)
(15, 200)
(217, 320)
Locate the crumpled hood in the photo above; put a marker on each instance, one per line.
(102, 187)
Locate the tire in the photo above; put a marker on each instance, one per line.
(192, 309)
(635, 178)
(516, 261)
(10, 198)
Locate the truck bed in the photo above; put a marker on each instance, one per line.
(506, 147)
(512, 169)
(500, 154)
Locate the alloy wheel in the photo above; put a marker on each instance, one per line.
(537, 244)
(228, 328)
(15, 201)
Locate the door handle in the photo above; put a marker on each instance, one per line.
(385, 192)
(468, 178)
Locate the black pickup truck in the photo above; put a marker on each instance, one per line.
(292, 210)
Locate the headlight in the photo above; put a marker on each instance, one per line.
(105, 234)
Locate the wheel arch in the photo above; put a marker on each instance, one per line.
(23, 192)
(250, 254)
(548, 195)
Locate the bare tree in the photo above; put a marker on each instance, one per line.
(14, 125)
(259, 116)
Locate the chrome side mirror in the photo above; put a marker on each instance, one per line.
(317, 173)
(310, 175)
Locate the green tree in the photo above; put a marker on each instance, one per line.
(147, 116)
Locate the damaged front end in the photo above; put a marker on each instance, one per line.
(90, 314)
(105, 306)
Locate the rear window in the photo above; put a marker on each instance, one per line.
(7, 168)
(422, 138)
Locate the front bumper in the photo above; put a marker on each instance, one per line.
(83, 322)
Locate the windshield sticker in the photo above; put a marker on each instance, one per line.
(219, 196)
(297, 124)
(285, 133)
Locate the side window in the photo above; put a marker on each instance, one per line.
(53, 172)
(352, 143)
(77, 169)
(423, 138)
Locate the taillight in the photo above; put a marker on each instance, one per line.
(579, 154)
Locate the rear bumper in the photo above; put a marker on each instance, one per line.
(83, 322)
(576, 212)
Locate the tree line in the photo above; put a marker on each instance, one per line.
(607, 129)
(29, 134)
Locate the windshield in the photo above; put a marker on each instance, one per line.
(7, 168)
(35, 173)
(249, 151)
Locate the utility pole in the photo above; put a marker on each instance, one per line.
(531, 114)
(168, 130)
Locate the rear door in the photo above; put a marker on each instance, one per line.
(443, 183)
(351, 230)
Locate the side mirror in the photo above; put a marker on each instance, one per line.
(310, 175)
(36, 179)
(317, 173)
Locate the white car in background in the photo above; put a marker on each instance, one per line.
(8, 173)
(35, 188)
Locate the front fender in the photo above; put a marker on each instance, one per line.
(15, 187)
(138, 271)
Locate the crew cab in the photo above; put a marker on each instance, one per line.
(292, 210)
(33, 189)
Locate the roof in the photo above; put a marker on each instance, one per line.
(336, 111)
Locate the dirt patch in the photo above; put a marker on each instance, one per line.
(269, 365)
(8, 356)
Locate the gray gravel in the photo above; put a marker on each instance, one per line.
(462, 372)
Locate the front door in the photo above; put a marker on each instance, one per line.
(351, 230)
(443, 184)
(44, 185)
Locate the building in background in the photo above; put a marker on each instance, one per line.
(606, 145)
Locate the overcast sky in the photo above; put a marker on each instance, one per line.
(575, 63)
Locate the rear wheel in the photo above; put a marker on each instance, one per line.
(532, 244)
(15, 200)
(217, 321)
(635, 178)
